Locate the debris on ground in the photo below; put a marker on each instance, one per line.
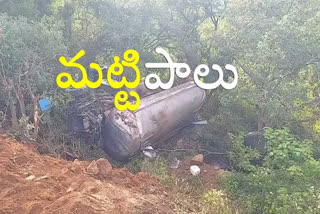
(149, 152)
(173, 162)
(208, 176)
(195, 170)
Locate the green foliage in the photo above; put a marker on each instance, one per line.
(22, 131)
(276, 51)
(134, 166)
(216, 202)
(287, 181)
(33, 55)
(157, 167)
(285, 151)
(242, 157)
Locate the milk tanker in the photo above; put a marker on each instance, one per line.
(160, 116)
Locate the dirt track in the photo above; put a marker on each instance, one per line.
(32, 183)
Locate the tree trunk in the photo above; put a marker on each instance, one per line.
(35, 117)
(14, 119)
(67, 13)
(36, 121)
(262, 120)
(20, 98)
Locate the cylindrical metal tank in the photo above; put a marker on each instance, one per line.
(159, 117)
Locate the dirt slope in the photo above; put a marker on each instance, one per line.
(32, 183)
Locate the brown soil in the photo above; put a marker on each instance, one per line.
(34, 184)
(208, 174)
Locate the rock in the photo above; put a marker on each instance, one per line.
(30, 178)
(77, 167)
(93, 168)
(104, 167)
(69, 190)
(197, 160)
(41, 178)
(256, 140)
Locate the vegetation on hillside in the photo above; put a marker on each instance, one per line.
(274, 44)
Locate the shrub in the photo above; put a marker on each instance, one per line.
(22, 131)
(288, 180)
(215, 201)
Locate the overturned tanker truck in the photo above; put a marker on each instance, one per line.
(161, 115)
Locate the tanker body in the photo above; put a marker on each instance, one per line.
(160, 116)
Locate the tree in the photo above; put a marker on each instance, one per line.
(29, 54)
(272, 43)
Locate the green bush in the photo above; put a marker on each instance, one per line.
(22, 131)
(157, 167)
(287, 181)
(215, 201)
(241, 156)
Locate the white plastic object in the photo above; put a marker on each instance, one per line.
(195, 170)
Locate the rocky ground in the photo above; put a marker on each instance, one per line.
(33, 183)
